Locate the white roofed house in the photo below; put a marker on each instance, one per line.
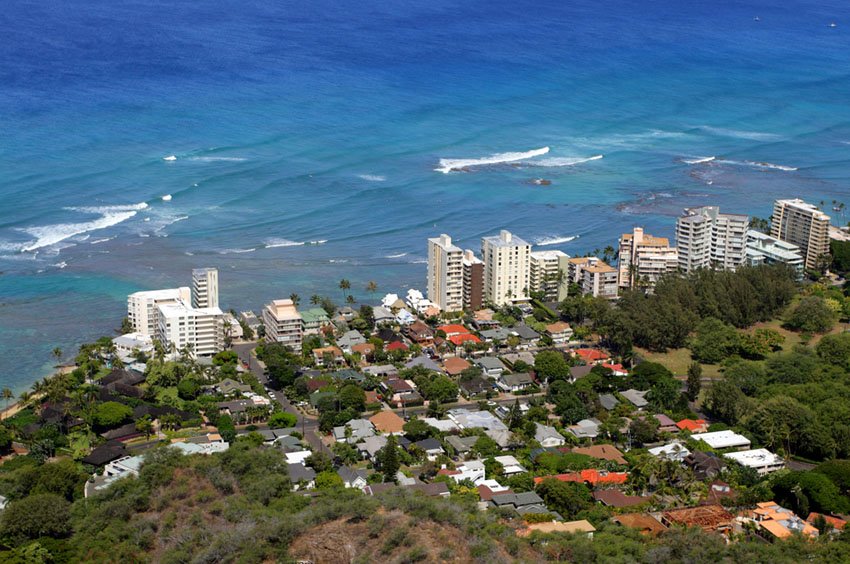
(586, 428)
(350, 339)
(675, 451)
(761, 460)
(548, 436)
(723, 439)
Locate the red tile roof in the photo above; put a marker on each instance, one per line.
(692, 425)
(396, 346)
(592, 477)
(838, 524)
(463, 338)
(453, 329)
(455, 365)
(592, 355)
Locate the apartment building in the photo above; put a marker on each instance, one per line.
(804, 225)
(506, 268)
(283, 323)
(594, 277)
(200, 329)
(644, 259)
(706, 238)
(205, 287)
(764, 249)
(142, 307)
(473, 281)
(445, 273)
(548, 272)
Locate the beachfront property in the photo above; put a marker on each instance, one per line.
(594, 277)
(548, 274)
(445, 273)
(706, 238)
(204, 287)
(283, 323)
(506, 268)
(200, 330)
(804, 225)
(645, 258)
(142, 307)
(764, 249)
(473, 281)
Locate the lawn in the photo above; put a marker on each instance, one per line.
(677, 361)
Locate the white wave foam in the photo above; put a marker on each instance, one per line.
(698, 160)
(61, 265)
(418, 261)
(563, 161)
(170, 158)
(451, 165)
(760, 164)
(48, 235)
(218, 159)
(372, 177)
(399, 255)
(274, 243)
(557, 240)
(99, 241)
(337, 261)
(236, 251)
(188, 254)
(740, 134)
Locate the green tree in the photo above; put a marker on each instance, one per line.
(694, 380)
(485, 446)
(329, 480)
(144, 425)
(664, 394)
(567, 498)
(416, 430)
(811, 315)
(39, 515)
(551, 365)
(389, 459)
(715, 341)
(282, 420)
(644, 429)
(834, 349)
(111, 414)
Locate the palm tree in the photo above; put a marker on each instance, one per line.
(350, 300)
(7, 395)
(57, 354)
(372, 287)
(344, 285)
(608, 254)
(296, 299)
(315, 299)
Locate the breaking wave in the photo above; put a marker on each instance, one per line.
(372, 177)
(698, 160)
(558, 240)
(563, 161)
(47, 235)
(454, 165)
(760, 164)
(740, 134)
(399, 255)
(236, 251)
(275, 243)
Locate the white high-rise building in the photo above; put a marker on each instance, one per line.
(445, 273)
(804, 225)
(645, 258)
(506, 268)
(200, 329)
(284, 324)
(706, 238)
(205, 287)
(142, 309)
(548, 273)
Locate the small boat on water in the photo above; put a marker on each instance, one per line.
(833, 24)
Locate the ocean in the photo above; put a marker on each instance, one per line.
(292, 144)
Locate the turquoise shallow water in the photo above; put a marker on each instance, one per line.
(324, 123)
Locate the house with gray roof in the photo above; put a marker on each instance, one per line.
(352, 478)
(636, 397)
(371, 445)
(462, 445)
(515, 382)
(358, 429)
(527, 335)
(578, 372)
(490, 366)
(382, 315)
(548, 436)
(431, 446)
(424, 362)
(500, 334)
(586, 428)
(301, 476)
(608, 401)
(350, 339)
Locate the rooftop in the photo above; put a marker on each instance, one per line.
(283, 310)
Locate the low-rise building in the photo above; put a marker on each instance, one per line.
(548, 436)
(776, 522)
(490, 366)
(764, 249)
(674, 451)
(710, 518)
(560, 333)
(314, 320)
(594, 277)
(586, 428)
(644, 259)
(514, 383)
(761, 460)
(723, 439)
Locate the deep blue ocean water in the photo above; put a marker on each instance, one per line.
(298, 122)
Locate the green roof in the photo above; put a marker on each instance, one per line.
(314, 315)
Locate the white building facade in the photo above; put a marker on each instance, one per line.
(548, 273)
(506, 268)
(445, 273)
(283, 324)
(706, 238)
(142, 307)
(205, 287)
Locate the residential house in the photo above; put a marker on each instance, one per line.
(510, 465)
(350, 339)
(354, 431)
(327, 355)
(301, 476)
(466, 419)
(705, 465)
(775, 522)
(616, 369)
(462, 445)
(674, 451)
(617, 499)
(371, 445)
(455, 365)
(387, 422)
(382, 371)
(761, 460)
(528, 336)
(453, 329)
(490, 366)
(365, 350)
(579, 372)
(723, 439)
(837, 524)
(608, 401)
(498, 334)
(589, 476)
(382, 316)
(636, 397)
(710, 518)
(472, 470)
(419, 333)
(471, 387)
(352, 478)
(693, 425)
(443, 425)
(431, 447)
(396, 346)
(602, 452)
(560, 333)
(297, 457)
(424, 362)
(586, 428)
(643, 522)
(665, 424)
(548, 436)
(515, 382)
(592, 356)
